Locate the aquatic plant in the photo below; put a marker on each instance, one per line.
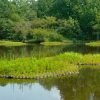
(94, 44)
(31, 67)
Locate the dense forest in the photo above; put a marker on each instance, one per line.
(49, 20)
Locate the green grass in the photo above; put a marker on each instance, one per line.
(11, 43)
(94, 44)
(32, 67)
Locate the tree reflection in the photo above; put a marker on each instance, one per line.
(85, 86)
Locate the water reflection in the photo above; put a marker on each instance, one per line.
(25, 92)
(85, 86)
(43, 51)
(33, 50)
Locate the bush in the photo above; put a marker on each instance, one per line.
(47, 22)
(43, 35)
(69, 28)
(21, 30)
(5, 28)
(39, 31)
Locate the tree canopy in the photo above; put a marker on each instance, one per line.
(75, 19)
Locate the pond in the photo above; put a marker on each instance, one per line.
(44, 51)
(85, 86)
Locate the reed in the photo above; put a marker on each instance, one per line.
(94, 44)
(32, 67)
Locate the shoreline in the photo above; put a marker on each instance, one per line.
(43, 76)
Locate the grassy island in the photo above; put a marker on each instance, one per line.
(47, 67)
(11, 43)
(94, 44)
(55, 43)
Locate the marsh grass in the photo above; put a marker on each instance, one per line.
(94, 44)
(11, 43)
(32, 67)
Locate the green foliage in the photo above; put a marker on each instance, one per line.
(69, 28)
(43, 7)
(47, 22)
(32, 67)
(15, 17)
(94, 44)
(96, 26)
(5, 28)
(60, 9)
(21, 30)
(75, 19)
(42, 35)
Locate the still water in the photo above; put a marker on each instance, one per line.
(44, 51)
(85, 86)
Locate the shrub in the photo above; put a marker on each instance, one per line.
(43, 35)
(47, 22)
(5, 28)
(69, 28)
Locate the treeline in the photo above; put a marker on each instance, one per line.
(49, 20)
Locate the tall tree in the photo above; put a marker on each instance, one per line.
(43, 7)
